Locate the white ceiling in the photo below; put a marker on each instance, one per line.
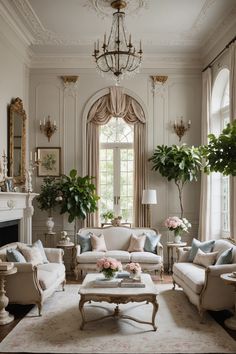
(62, 27)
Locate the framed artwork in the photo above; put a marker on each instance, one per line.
(49, 161)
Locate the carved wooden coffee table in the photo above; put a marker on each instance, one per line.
(118, 296)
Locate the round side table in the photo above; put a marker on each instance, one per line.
(170, 253)
(5, 317)
(230, 280)
(69, 255)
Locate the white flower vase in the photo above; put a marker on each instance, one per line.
(177, 238)
(50, 224)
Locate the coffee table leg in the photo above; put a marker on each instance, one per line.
(81, 308)
(154, 312)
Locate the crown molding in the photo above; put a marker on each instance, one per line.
(219, 32)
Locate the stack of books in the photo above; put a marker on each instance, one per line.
(131, 283)
(6, 266)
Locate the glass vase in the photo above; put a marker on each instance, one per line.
(177, 237)
(108, 274)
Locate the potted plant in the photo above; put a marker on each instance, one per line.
(179, 163)
(220, 153)
(48, 199)
(79, 197)
(108, 215)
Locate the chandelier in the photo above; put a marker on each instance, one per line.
(118, 55)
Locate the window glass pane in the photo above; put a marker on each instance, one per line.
(116, 131)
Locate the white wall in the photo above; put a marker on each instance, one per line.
(13, 74)
(180, 96)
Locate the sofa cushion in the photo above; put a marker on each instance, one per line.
(46, 279)
(122, 256)
(57, 268)
(204, 246)
(137, 243)
(90, 257)
(151, 242)
(39, 245)
(14, 255)
(205, 259)
(98, 243)
(191, 274)
(145, 257)
(31, 254)
(225, 257)
(85, 242)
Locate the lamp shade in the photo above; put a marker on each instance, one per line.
(149, 196)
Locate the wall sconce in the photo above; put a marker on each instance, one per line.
(181, 128)
(47, 127)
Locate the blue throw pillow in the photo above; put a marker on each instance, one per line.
(85, 243)
(39, 245)
(14, 255)
(225, 257)
(151, 242)
(203, 246)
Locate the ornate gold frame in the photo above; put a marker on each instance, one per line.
(16, 106)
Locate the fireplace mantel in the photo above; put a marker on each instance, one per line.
(19, 206)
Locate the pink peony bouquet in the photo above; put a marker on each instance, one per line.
(133, 268)
(173, 223)
(109, 266)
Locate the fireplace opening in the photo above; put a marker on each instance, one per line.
(9, 232)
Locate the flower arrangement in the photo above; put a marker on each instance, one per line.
(173, 223)
(109, 267)
(134, 268)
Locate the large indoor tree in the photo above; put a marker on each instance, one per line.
(220, 153)
(79, 197)
(181, 164)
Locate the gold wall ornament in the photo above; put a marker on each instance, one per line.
(181, 128)
(47, 127)
(70, 79)
(158, 79)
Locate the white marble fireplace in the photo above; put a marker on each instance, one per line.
(18, 206)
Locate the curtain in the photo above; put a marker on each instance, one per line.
(204, 232)
(232, 93)
(118, 104)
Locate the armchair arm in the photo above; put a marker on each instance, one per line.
(77, 250)
(160, 250)
(217, 270)
(183, 254)
(24, 267)
(54, 255)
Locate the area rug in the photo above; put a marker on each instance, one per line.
(57, 331)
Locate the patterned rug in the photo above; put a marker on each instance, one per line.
(57, 331)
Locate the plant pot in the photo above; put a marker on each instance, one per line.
(50, 224)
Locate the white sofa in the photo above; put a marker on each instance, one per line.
(117, 239)
(34, 284)
(203, 286)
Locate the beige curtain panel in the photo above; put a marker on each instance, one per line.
(118, 104)
(232, 100)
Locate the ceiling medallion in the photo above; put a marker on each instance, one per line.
(117, 56)
(103, 7)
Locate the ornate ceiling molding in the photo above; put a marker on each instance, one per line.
(103, 7)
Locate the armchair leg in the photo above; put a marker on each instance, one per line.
(174, 284)
(63, 285)
(39, 305)
(202, 312)
(161, 273)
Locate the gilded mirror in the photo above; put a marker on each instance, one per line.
(17, 141)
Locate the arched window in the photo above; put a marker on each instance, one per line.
(116, 168)
(220, 183)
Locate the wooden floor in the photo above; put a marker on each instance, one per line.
(19, 311)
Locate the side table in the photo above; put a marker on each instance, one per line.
(69, 254)
(49, 238)
(230, 280)
(170, 253)
(5, 317)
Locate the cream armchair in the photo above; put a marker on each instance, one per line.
(203, 286)
(34, 284)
